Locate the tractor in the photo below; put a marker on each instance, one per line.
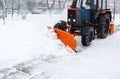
(87, 18)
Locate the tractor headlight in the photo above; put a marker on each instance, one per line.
(74, 20)
(69, 19)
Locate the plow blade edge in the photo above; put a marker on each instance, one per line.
(66, 38)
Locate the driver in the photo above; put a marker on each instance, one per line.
(91, 4)
(85, 4)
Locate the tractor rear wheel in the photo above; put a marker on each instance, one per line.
(87, 35)
(103, 28)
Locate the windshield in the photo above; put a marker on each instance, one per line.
(85, 4)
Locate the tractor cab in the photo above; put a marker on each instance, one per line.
(85, 10)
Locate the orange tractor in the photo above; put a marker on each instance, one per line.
(86, 18)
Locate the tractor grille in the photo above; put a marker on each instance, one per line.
(72, 14)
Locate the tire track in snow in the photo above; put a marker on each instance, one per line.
(35, 69)
(26, 70)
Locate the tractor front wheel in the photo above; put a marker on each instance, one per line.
(87, 35)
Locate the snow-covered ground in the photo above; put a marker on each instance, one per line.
(28, 50)
(21, 40)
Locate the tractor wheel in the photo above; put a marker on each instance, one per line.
(61, 26)
(87, 35)
(103, 28)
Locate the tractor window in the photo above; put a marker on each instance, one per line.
(85, 4)
(88, 4)
(104, 4)
(99, 5)
(95, 1)
(78, 3)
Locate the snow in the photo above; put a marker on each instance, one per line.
(28, 50)
(20, 40)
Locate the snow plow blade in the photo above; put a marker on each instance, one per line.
(66, 38)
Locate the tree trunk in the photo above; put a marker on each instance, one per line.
(12, 8)
(19, 6)
(50, 7)
(6, 8)
(3, 14)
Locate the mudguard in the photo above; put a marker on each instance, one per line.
(111, 30)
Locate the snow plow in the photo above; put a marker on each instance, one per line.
(86, 18)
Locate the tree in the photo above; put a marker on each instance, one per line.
(2, 6)
(50, 5)
(31, 6)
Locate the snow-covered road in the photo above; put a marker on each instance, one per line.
(28, 50)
